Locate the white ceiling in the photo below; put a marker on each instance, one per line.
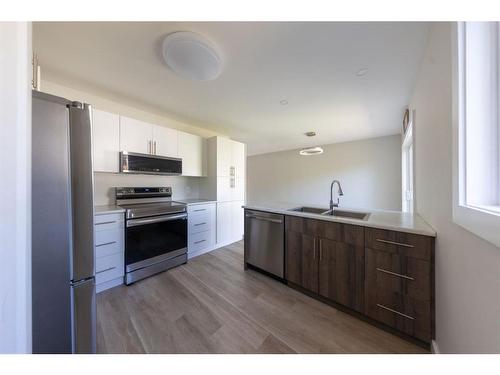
(311, 65)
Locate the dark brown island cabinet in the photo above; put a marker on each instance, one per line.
(387, 276)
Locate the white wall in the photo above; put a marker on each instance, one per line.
(15, 187)
(368, 170)
(467, 267)
(182, 187)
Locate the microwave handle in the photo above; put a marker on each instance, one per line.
(136, 222)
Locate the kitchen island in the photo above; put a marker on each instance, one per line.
(379, 268)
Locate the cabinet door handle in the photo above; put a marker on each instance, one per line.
(104, 244)
(200, 241)
(394, 243)
(154, 143)
(320, 250)
(198, 224)
(395, 312)
(106, 222)
(314, 248)
(200, 209)
(395, 274)
(107, 269)
(149, 147)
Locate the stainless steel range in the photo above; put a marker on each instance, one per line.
(155, 231)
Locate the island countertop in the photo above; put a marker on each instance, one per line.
(382, 219)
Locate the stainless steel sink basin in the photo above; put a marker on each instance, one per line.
(348, 214)
(335, 212)
(310, 210)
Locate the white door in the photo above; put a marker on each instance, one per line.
(237, 189)
(223, 156)
(224, 228)
(238, 156)
(165, 141)
(237, 221)
(224, 190)
(135, 135)
(191, 150)
(106, 141)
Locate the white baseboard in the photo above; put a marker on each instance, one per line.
(109, 284)
(434, 347)
(200, 252)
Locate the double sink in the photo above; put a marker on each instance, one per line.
(335, 212)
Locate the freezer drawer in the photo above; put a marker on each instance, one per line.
(84, 317)
(265, 241)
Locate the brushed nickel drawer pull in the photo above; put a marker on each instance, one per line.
(200, 241)
(394, 243)
(395, 312)
(104, 244)
(106, 222)
(395, 274)
(107, 269)
(314, 248)
(198, 224)
(320, 250)
(200, 209)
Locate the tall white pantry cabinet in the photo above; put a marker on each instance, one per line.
(226, 182)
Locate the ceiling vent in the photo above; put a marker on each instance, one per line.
(191, 56)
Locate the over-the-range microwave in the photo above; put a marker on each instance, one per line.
(132, 162)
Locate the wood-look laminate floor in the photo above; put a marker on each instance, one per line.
(212, 305)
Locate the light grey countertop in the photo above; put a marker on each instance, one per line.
(193, 201)
(392, 220)
(108, 209)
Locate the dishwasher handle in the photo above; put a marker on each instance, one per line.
(262, 218)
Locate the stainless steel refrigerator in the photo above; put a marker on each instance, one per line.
(63, 261)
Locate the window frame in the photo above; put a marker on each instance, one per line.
(408, 168)
(482, 222)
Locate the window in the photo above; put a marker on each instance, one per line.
(407, 167)
(476, 129)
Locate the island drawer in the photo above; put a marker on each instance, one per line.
(405, 244)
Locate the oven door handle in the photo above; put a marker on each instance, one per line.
(158, 219)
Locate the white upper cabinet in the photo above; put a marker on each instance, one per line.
(135, 135)
(223, 156)
(237, 190)
(106, 144)
(192, 151)
(164, 141)
(238, 157)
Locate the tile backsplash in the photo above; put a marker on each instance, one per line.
(104, 184)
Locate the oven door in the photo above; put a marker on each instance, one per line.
(154, 239)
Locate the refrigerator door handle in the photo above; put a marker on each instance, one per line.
(82, 192)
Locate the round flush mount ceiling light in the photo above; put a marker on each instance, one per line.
(191, 56)
(311, 151)
(284, 102)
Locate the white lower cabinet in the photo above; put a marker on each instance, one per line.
(237, 220)
(224, 223)
(109, 250)
(201, 228)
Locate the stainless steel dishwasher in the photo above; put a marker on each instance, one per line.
(265, 241)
